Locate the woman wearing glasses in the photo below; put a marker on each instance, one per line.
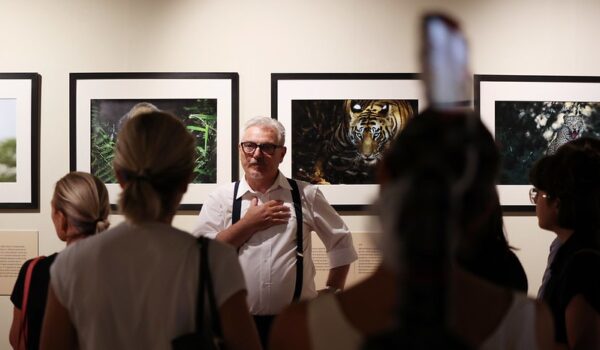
(567, 199)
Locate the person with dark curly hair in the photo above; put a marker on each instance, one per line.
(566, 193)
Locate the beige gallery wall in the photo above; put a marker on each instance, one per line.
(256, 38)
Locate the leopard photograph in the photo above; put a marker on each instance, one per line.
(527, 130)
(342, 141)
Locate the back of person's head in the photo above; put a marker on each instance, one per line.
(420, 216)
(83, 200)
(441, 143)
(266, 122)
(137, 109)
(571, 176)
(154, 160)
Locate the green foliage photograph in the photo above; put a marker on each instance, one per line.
(198, 115)
(8, 160)
(8, 140)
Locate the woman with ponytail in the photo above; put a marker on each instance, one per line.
(136, 286)
(80, 209)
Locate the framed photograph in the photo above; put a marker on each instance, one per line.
(20, 140)
(207, 104)
(531, 116)
(338, 126)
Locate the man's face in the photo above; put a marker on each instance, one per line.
(258, 165)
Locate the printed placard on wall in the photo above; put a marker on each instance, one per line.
(338, 126)
(19, 140)
(16, 247)
(369, 259)
(531, 116)
(207, 103)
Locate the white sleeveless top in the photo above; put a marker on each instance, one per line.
(329, 329)
(517, 329)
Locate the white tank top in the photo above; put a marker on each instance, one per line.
(329, 329)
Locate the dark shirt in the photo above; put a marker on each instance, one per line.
(38, 291)
(574, 271)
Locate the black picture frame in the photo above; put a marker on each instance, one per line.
(220, 89)
(524, 113)
(20, 95)
(289, 87)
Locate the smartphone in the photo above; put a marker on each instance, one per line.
(445, 59)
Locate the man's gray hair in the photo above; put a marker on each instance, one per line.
(266, 122)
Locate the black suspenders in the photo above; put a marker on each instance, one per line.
(235, 217)
(299, 246)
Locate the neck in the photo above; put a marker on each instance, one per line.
(74, 236)
(261, 185)
(167, 219)
(563, 234)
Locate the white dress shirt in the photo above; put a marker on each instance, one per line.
(268, 258)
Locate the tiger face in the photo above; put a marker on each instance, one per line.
(372, 124)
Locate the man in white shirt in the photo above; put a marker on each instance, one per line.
(261, 221)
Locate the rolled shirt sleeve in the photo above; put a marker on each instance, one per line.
(332, 231)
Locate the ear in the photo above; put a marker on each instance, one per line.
(555, 206)
(183, 187)
(120, 178)
(283, 152)
(62, 221)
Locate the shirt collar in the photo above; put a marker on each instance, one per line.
(573, 244)
(280, 181)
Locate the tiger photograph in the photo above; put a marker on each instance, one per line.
(342, 141)
(527, 130)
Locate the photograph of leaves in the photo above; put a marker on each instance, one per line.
(8, 140)
(198, 115)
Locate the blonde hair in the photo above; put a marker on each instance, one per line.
(83, 199)
(154, 157)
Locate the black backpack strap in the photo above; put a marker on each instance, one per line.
(237, 205)
(201, 285)
(299, 240)
(206, 284)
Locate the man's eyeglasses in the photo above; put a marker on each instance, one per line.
(267, 148)
(534, 193)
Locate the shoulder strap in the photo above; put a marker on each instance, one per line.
(237, 204)
(201, 286)
(214, 310)
(28, 274)
(206, 284)
(299, 240)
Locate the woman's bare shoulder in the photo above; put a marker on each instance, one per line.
(290, 330)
